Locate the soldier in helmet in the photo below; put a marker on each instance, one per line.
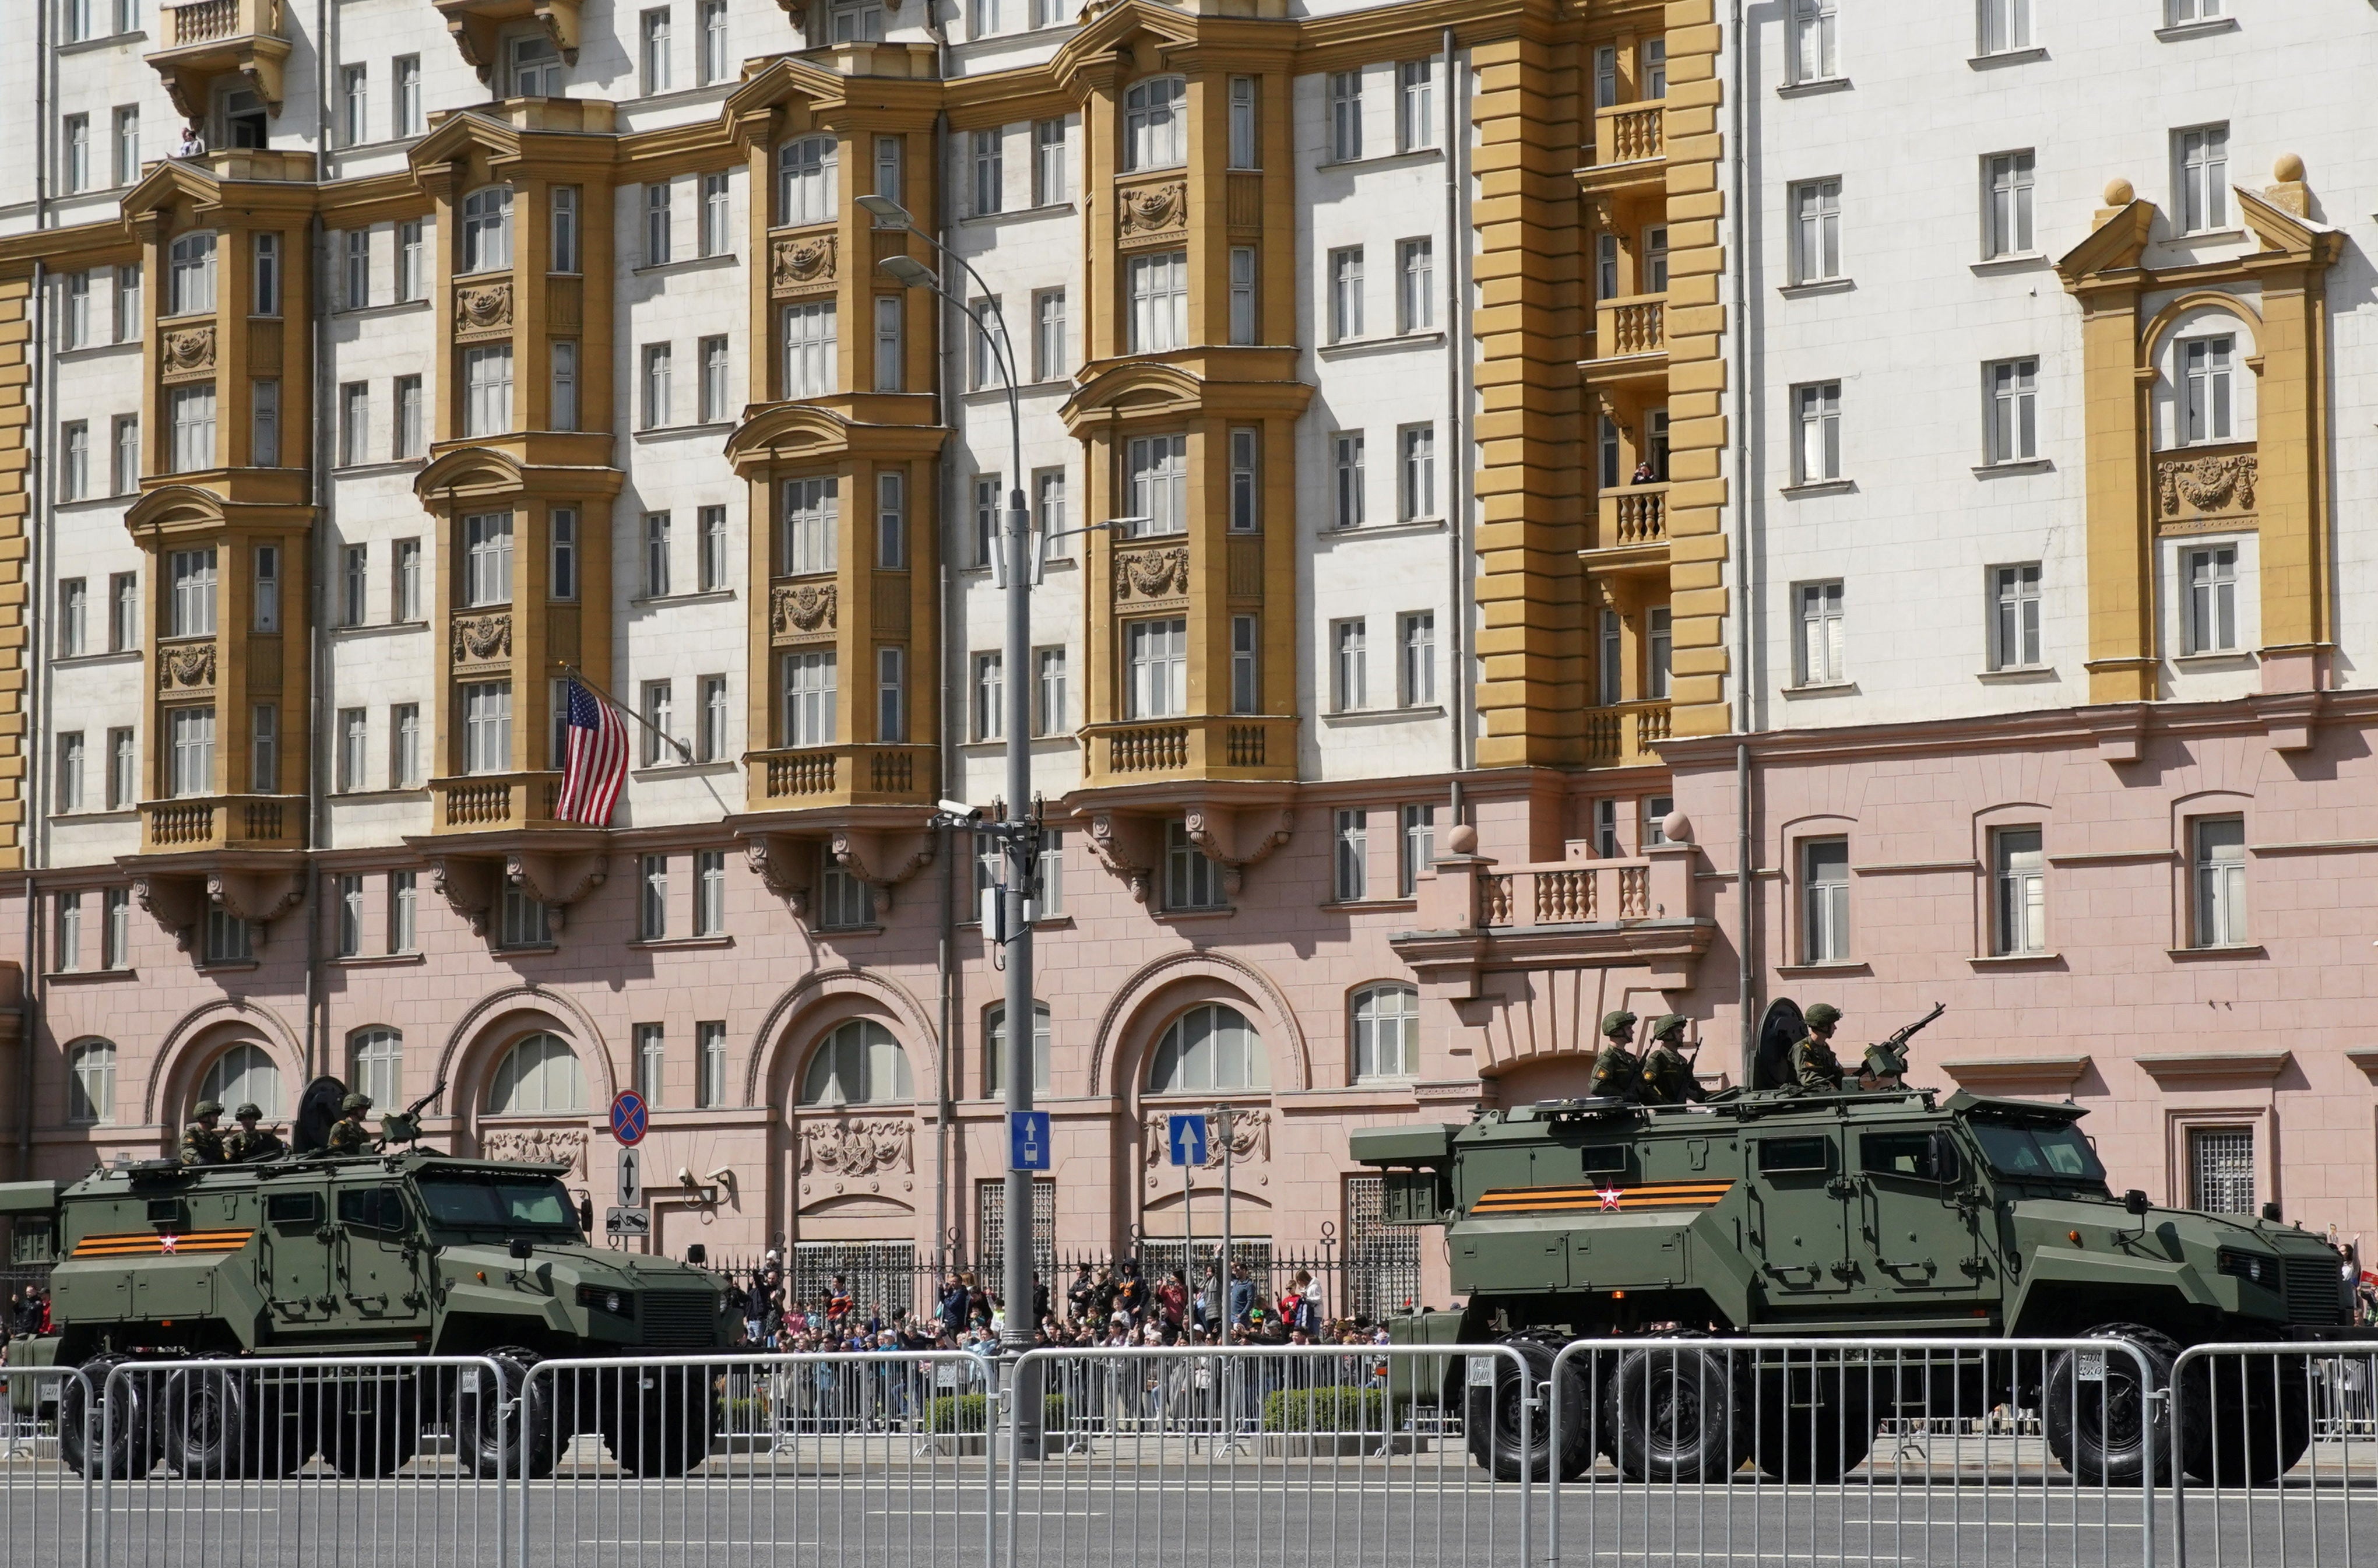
(347, 1134)
(1667, 1077)
(1617, 1070)
(203, 1140)
(1814, 1065)
(252, 1141)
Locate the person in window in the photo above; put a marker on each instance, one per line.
(191, 145)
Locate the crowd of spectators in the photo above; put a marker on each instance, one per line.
(26, 1314)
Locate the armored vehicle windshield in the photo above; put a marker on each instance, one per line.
(473, 1201)
(2035, 1152)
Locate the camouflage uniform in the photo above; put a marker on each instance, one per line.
(1667, 1078)
(347, 1134)
(252, 1142)
(201, 1144)
(1617, 1070)
(1814, 1065)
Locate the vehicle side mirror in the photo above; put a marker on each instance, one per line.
(1947, 1162)
(698, 1255)
(2136, 1202)
(524, 1248)
(586, 1216)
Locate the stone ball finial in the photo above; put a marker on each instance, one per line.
(2119, 192)
(1676, 827)
(1462, 840)
(2288, 166)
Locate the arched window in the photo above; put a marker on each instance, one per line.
(90, 1087)
(804, 180)
(240, 1074)
(859, 1064)
(1154, 125)
(541, 1073)
(488, 229)
(1386, 1032)
(1208, 1047)
(376, 1063)
(995, 1050)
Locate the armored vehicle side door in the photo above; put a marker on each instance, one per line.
(1799, 1213)
(378, 1254)
(294, 1256)
(1915, 1239)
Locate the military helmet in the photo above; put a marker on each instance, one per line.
(1821, 1014)
(354, 1103)
(1668, 1025)
(1617, 1022)
(248, 1108)
(205, 1108)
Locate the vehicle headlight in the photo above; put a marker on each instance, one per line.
(2251, 1266)
(602, 1298)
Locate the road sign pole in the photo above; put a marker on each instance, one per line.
(1188, 1242)
(1222, 1271)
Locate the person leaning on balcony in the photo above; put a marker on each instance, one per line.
(192, 144)
(1814, 1065)
(1645, 474)
(1618, 1069)
(1667, 1077)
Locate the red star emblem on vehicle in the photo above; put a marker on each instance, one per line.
(1610, 1196)
(167, 1243)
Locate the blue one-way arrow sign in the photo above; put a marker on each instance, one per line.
(1186, 1139)
(1027, 1140)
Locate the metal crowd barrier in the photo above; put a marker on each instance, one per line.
(45, 1511)
(2278, 1456)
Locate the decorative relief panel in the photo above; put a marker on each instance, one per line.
(537, 1146)
(185, 667)
(857, 1148)
(480, 639)
(1152, 573)
(1152, 211)
(483, 308)
(188, 352)
(1250, 1138)
(797, 611)
(799, 262)
(2198, 492)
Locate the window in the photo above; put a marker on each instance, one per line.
(990, 704)
(2217, 853)
(995, 1050)
(710, 548)
(716, 63)
(69, 785)
(2019, 904)
(127, 303)
(1815, 230)
(1160, 302)
(355, 103)
(1154, 119)
(1416, 462)
(656, 385)
(487, 558)
(988, 189)
(653, 72)
(405, 745)
(808, 699)
(2014, 428)
(264, 759)
(540, 1074)
(561, 580)
(80, 19)
(349, 939)
(659, 706)
(565, 228)
(1416, 671)
(1243, 123)
(813, 511)
(892, 519)
(73, 478)
(2006, 26)
(1349, 665)
(354, 583)
(1050, 185)
(127, 145)
(2209, 580)
(411, 263)
(656, 224)
(242, 1073)
(192, 610)
(845, 903)
(2203, 158)
(123, 612)
(1416, 285)
(1351, 856)
(1417, 847)
(1610, 670)
(1246, 490)
(1346, 294)
(1050, 875)
(2006, 213)
(115, 926)
(710, 736)
(2205, 401)
(1157, 655)
(652, 898)
(1192, 880)
(264, 428)
(1415, 94)
(713, 238)
(1819, 654)
(1651, 68)
(985, 18)
(859, 1064)
(193, 411)
(1247, 664)
(229, 940)
(2221, 1169)
(1049, 356)
(90, 1088)
(190, 275)
(1243, 293)
(1346, 451)
(74, 323)
(565, 385)
(1387, 1032)
(1157, 471)
(1654, 253)
(858, 21)
(73, 599)
(890, 356)
(2014, 616)
(191, 739)
(887, 167)
(376, 1063)
(354, 422)
(1049, 691)
(809, 349)
(806, 180)
(1049, 512)
(988, 504)
(987, 345)
(488, 229)
(404, 108)
(2186, 11)
(1812, 40)
(709, 1063)
(1659, 652)
(76, 152)
(1345, 116)
(1816, 410)
(891, 694)
(488, 390)
(125, 475)
(1606, 78)
(525, 923)
(488, 727)
(1825, 901)
(1209, 1047)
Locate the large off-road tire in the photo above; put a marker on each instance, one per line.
(1812, 1420)
(103, 1433)
(203, 1421)
(370, 1425)
(1675, 1415)
(2245, 1420)
(657, 1421)
(1491, 1418)
(2095, 1427)
(503, 1422)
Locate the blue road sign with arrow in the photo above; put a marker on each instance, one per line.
(1027, 1140)
(1186, 1139)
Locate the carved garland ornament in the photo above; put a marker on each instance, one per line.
(483, 307)
(1153, 573)
(482, 637)
(1152, 207)
(2207, 483)
(193, 665)
(857, 1148)
(189, 349)
(1250, 1138)
(796, 608)
(797, 262)
(537, 1146)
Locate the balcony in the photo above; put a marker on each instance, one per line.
(475, 25)
(1160, 751)
(207, 39)
(1630, 340)
(496, 802)
(1630, 532)
(1624, 736)
(223, 822)
(1629, 150)
(800, 778)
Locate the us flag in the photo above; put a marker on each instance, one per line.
(598, 763)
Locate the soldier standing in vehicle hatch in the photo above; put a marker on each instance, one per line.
(203, 1140)
(1618, 1069)
(251, 1142)
(1667, 1078)
(1814, 1065)
(347, 1134)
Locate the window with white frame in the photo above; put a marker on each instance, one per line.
(2006, 204)
(74, 323)
(1048, 354)
(715, 62)
(2218, 858)
(710, 550)
(127, 303)
(2014, 616)
(1158, 287)
(1816, 231)
(535, 68)
(406, 439)
(1817, 655)
(811, 525)
(488, 727)
(404, 907)
(565, 384)
(989, 188)
(891, 694)
(190, 733)
(1049, 707)
(653, 59)
(1415, 104)
(191, 611)
(561, 576)
(655, 380)
(2012, 432)
(74, 474)
(1346, 461)
(892, 518)
(2206, 401)
(716, 237)
(69, 781)
(1243, 293)
(995, 1050)
(123, 612)
(488, 229)
(2019, 893)
(710, 893)
(404, 586)
(350, 907)
(806, 183)
(1813, 26)
(354, 584)
(710, 734)
(1610, 665)
(656, 555)
(2209, 600)
(1247, 664)
(127, 144)
(74, 154)
(1387, 1032)
(1243, 153)
(1349, 664)
(1192, 880)
(192, 409)
(1346, 294)
(988, 690)
(405, 745)
(264, 421)
(125, 477)
(74, 616)
(710, 1062)
(488, 389)
(487, 558)
(354, 422)
(809, 698)
(718, 393)
(1050, 184)
(989, 509)
(90, 1083)
(658, 224)
(115, 928)
(2184, 12)
(190, 275)
(1824, 900)
(987, 345)
(1817, 416)
(1416, 658)
(1156, 656)
(652, 901)
(810, 343)
(1416, 472)
(1156, 473)
(1351, 854)
(1154, 123)
(1659, 651)
(1246, 485)
(565, 228)
(1417, 848)
(1651, 69)
(2005, 26)
(2221, 1170)
(1416, 285)
(1345, 116)
(857, 21)
(2202, 156)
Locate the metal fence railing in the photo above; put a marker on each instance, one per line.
(2287, 1424)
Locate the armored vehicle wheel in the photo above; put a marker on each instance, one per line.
(1812, 1419)
(2095, 1427)
(370, 1425)
(106, 1433)
(2244, 1419)
(1674, 1415)
(658, 1422)
(504, 1422)
(1491, 1418)
(203, 1421)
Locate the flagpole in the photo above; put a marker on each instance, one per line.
(684, 752)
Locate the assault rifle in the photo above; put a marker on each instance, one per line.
(405, 1127)
(1888, 1060)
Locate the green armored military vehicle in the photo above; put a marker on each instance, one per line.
(1858, 1216)
(399, 1252)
